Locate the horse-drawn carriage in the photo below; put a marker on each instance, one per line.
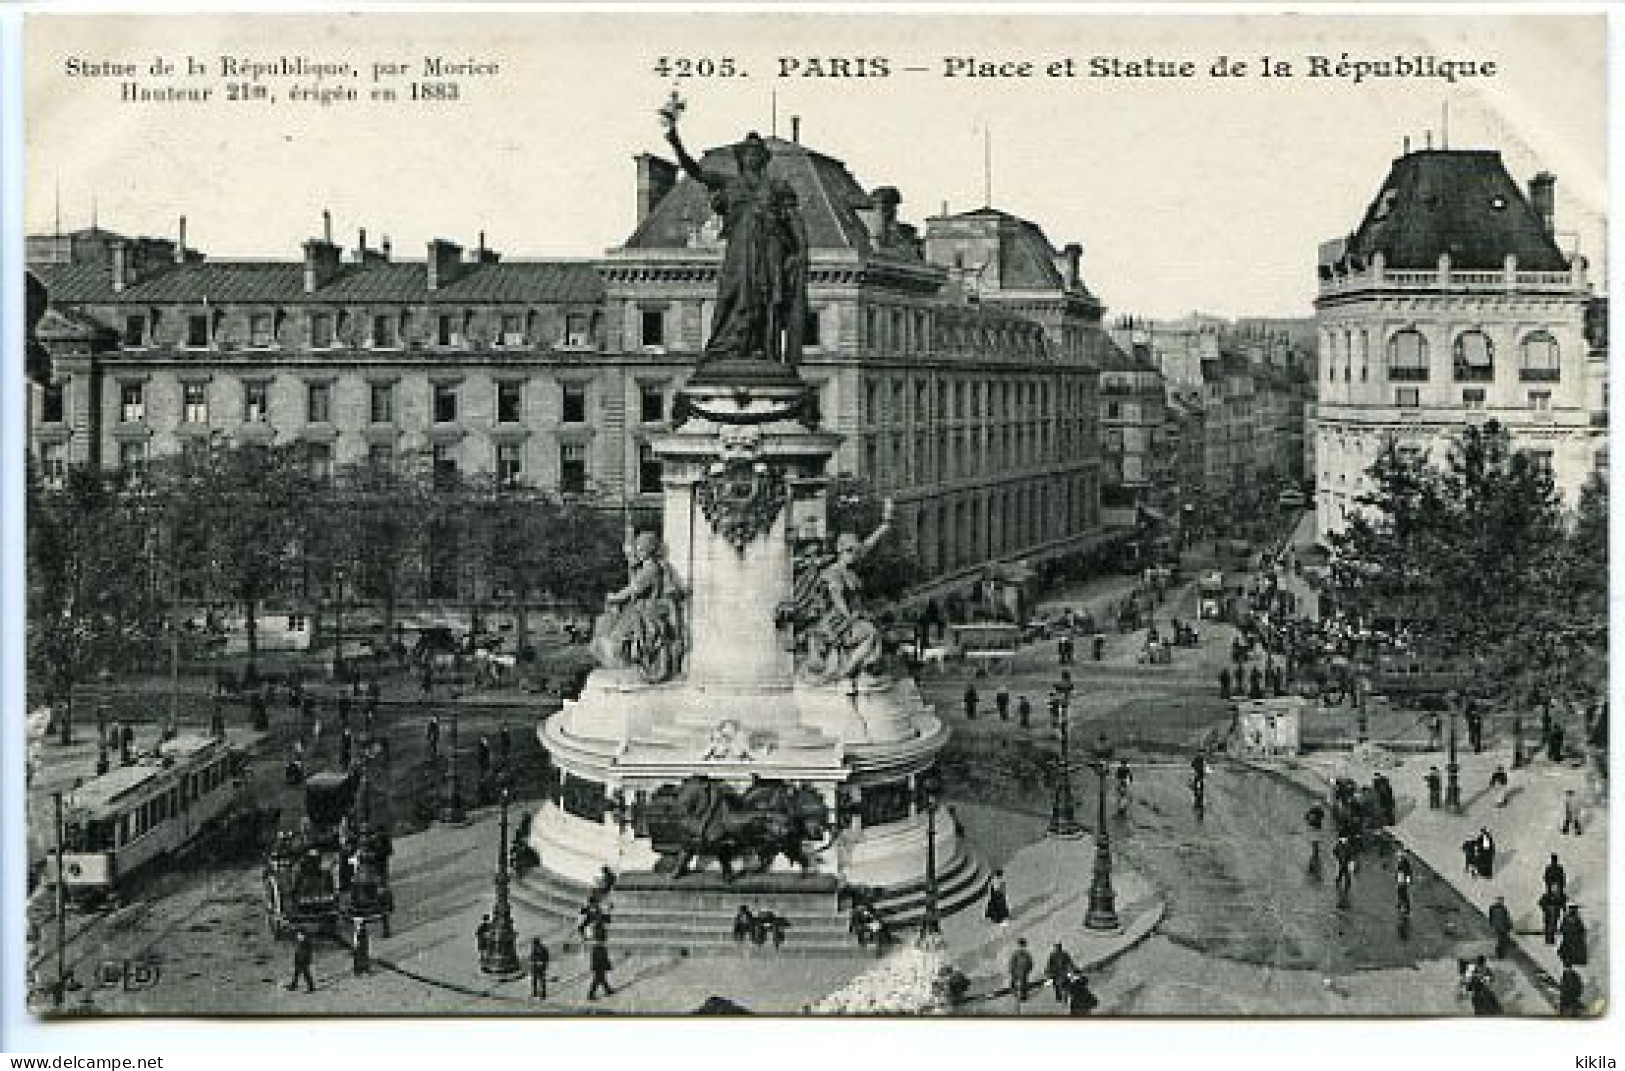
(1363, 813)
(300, 890)
(327, 871)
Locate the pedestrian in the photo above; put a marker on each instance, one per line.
(1024, 712)
(1570, 990)
(1501, 923)
(1059, 969)
(1384, 793)
(1255, 683)
(1571, 945)
(1551, 912)
(1435, 731)
(426, 679)
(1125, 783)
(1224, 682)
(1469, 854)
(504, 744)
(599, 963)
(998, 903)
(1343, 853)
(361, 949)
(1475, 728)
(303, 955)
(432, 734)
(1021, 970)
(346, 744)
(1404, 877)
(538, 968)
(1500, 784)
(1571, 812)
(970, 702)
(1080, 1000)
(482, 936)
(1485, 1002)
(483, 756)
(1486, 853)
(1001, 702)
(1555, 876)
(1435, 787)
(1554, 743)
(744, 923)
(126, 743)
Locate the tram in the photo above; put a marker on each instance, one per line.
(133, 815)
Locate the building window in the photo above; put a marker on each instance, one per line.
(320, 458)
(810, 336)
(1538, 359)
(259, 330)
(132, 403)
(131, 456)
(52, 409)
(321, 331)
(577, 326)
(447, 331)
(510, 401)
(652, 404)
(197, 331)
(383, 332)
(383, 403)
(510, 464)
(1408, 357)
(445, 464)
(1540, 400)
(1472, 398)
(135, 330)
(1407, 397)
(256, 401)
(653, 330)
(573, 468)
(513, 329)
(53, 463)
(1113, 411)
(381, 456)
(445, 403)
(1474, 358)
(574, 403)
(649, 470)
(318, 403)
(195, 403)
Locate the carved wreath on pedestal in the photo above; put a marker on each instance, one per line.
(741, 500)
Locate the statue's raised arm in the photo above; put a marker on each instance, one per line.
(874, 537)
(684, 159)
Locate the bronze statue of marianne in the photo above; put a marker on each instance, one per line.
(642, 625)
(761, 311)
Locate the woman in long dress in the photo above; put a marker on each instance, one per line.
(998, 904)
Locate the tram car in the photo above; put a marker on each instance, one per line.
(118, 823)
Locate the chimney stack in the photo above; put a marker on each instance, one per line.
(122, 275)
(1074, 255)
(886, 200)
(321, 259)
(180, 248)
(386, 248)
(795, 129)
(327, 226)
(361, 246)
(485, 256)
(656, 177)
(1543, 198)
(445, 258)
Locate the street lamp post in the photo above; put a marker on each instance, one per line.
(1452, 785)
(1063, 820)
(927, 794)
(1102, 913)
(501, 956)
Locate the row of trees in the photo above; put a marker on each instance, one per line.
(111, 554)
(1481, 561)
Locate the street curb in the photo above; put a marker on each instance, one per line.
(1134, 936)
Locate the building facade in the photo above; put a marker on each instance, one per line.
(1452, 303)
(972, 405)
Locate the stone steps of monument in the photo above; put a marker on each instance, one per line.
(959, 885)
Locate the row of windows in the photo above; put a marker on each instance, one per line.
(1539, 401)
(901, 330)
(328, 330)
(959, 454)
(256, 405)
(149, 815)
(1473, 358)
(964, 399)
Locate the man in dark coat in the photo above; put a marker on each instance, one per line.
(1570, 991)
(1080, 1000)
(1404, 876)
(1501, 923)
(1571, 948)
(1224, 683)
(1059, 969)
(1021, 970)
(538, 969)
(1554, 743)
(1555, 876)
(970, 703)
(1551, 912)
(1486, 854)
(1024, 712)
(598, 961)
(1001, 702)
(303, 955)
(1343, 852)
(482, 935)
(361, 949)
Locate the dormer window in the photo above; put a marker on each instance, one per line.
(259, 330)
(1385, 203)
(197, 331)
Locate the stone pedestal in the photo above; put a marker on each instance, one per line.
(745, 481)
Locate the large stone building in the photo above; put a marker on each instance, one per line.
(960, 366)
(1137, 454)
(1452, 302)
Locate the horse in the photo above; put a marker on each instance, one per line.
(707, 818)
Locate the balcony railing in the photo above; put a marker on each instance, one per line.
(1376, 277)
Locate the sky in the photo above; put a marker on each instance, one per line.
(1187, 193)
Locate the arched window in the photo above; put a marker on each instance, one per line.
(1408, 357)
(1538, 358)
(1474, 358)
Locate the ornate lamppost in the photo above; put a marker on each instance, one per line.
(927, 795)
(501, 956)
(1063, 819)
(1452, 784)
(1102, 913)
